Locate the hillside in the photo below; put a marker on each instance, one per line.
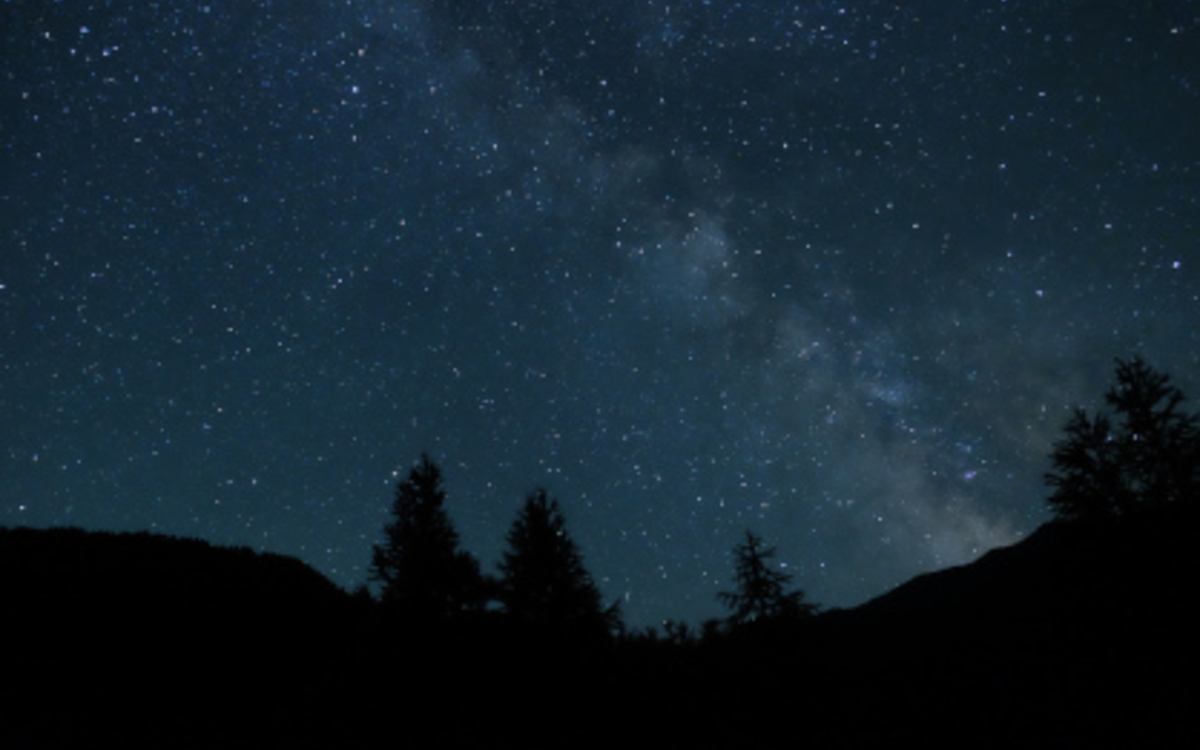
(150, 640)
(69, 567)
(1081, 631)
(1087, 577)
(1080, 634)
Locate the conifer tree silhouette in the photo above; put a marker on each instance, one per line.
(760, 594)
(544, 580)
(1149, 457)
(424, 573)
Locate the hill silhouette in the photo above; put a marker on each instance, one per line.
(69, 567)
(145, 639)
(1081, 634)
(1109, 570)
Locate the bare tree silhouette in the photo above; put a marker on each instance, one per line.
(760, 593)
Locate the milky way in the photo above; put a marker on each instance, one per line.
(830, 272)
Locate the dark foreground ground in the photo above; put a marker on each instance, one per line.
(1079, 636)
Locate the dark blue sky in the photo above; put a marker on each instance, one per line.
(833, 272)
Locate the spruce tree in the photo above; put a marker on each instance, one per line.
(424, 574)
(544, 581)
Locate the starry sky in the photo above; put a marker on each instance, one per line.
(832, 272)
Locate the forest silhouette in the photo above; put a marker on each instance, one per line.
(1081, 634)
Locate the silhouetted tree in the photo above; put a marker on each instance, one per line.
(1158, 443)
(1087, 477)
(1149, 457)
(760, 591)
(424, 573)
(543, 578)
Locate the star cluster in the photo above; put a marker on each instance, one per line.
(833, 272)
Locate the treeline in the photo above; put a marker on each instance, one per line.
(1079, 635)
(424, 577)
(1143, 456)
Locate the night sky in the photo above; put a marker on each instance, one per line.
(832, 272)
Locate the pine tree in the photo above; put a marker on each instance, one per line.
(760, 594)
(1149, 456)
(423, 573)
(544, 581)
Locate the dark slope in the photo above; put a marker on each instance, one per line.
(74, 568)
(1094, 577)
(1077, 636)
(147, 640)
(1080, 633)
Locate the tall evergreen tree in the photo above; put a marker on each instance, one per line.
(423, 572)
(543, 577)
(760, 594)
(1150, 454)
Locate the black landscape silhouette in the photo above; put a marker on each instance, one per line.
(1083, 634)
(1079, 634)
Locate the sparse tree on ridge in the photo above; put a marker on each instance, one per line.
(761, 594)
(424, 574)
(1149, 456)
(1087, 477)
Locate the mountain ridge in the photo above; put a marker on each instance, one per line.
(1081, 633)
